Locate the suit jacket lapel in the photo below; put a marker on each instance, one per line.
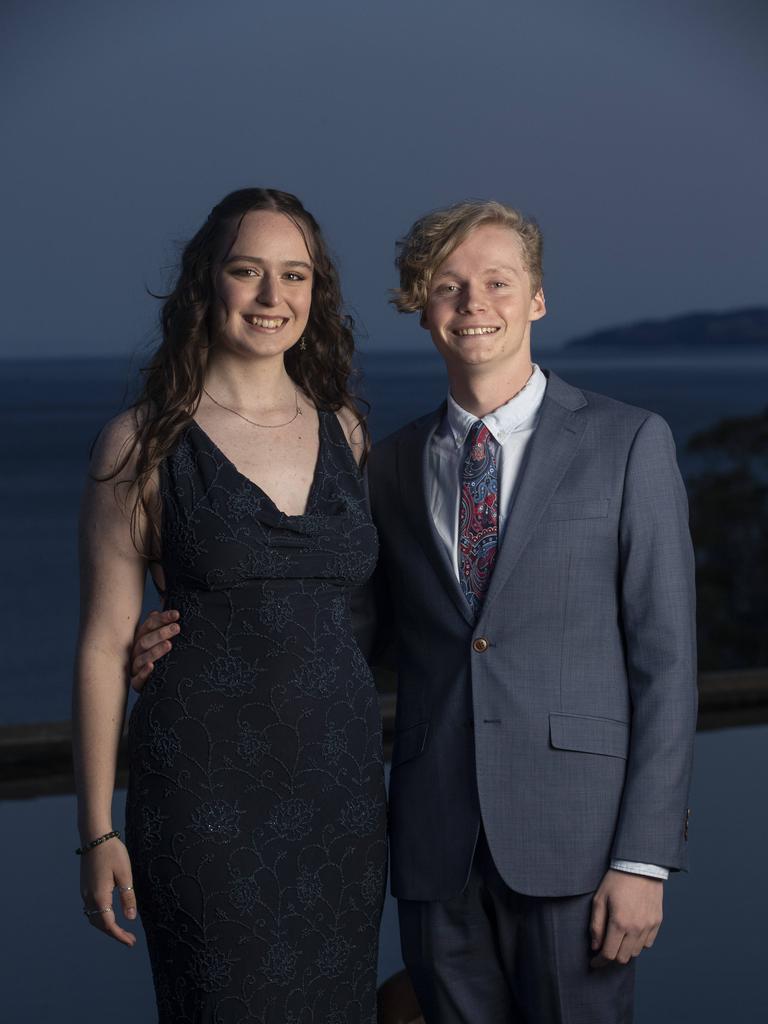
(553, 446)
(414, 480)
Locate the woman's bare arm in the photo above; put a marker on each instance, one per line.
(112, 573)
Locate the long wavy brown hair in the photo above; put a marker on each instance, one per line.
(174, 378)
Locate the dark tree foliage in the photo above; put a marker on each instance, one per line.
(729, 523)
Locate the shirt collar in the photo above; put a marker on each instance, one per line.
(516, 414)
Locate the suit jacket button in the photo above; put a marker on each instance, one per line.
(480, 644)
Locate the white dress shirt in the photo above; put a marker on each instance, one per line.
(512, 426)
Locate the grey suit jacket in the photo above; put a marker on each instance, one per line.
(564, 718)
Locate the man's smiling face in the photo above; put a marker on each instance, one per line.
(480, 306)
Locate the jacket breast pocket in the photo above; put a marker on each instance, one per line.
(409, 743)
(557, 511)
(589, 735)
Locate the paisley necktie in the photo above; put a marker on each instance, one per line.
(478, 516)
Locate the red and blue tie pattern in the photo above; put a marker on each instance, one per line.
(478, 516)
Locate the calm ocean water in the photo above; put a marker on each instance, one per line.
(52, 411)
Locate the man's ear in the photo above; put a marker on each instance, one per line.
(423, 320)
(538, 305)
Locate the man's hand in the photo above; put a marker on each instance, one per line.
(151, 641)
(626, 916)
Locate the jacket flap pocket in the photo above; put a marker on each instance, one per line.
(559, 510)
(409, 743)
(591, 735)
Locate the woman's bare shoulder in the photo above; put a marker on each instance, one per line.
(115, 448)
(352, 424)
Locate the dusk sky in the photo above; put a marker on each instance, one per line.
(634, 132)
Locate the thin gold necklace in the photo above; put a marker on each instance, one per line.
(266, 426)
(522, 389)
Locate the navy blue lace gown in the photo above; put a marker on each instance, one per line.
(256, 805)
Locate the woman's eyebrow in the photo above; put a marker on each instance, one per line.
(257, 259)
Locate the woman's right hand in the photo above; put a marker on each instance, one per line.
(151, 641)
(102, 870)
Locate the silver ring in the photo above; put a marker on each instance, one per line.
(98, 910)
(125, 888)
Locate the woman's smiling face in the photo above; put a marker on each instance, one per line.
(264, 286)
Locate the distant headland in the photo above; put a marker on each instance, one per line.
(743, 329)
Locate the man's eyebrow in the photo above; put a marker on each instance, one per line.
(503, 267)
(256, 259)
(449, 272)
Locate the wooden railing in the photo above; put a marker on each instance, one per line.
(36, 760)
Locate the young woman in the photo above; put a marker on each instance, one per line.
(255, 836)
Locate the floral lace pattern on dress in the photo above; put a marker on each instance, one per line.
(256, 807)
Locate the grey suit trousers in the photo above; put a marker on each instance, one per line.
(494, 956)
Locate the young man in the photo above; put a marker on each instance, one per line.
(537, 569)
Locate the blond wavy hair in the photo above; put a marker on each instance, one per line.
(433, 238)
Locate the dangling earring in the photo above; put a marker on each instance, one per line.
(303, 344)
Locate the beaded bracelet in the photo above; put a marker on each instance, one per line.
(96, 842)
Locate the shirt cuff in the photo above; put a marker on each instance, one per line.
(635, 868)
